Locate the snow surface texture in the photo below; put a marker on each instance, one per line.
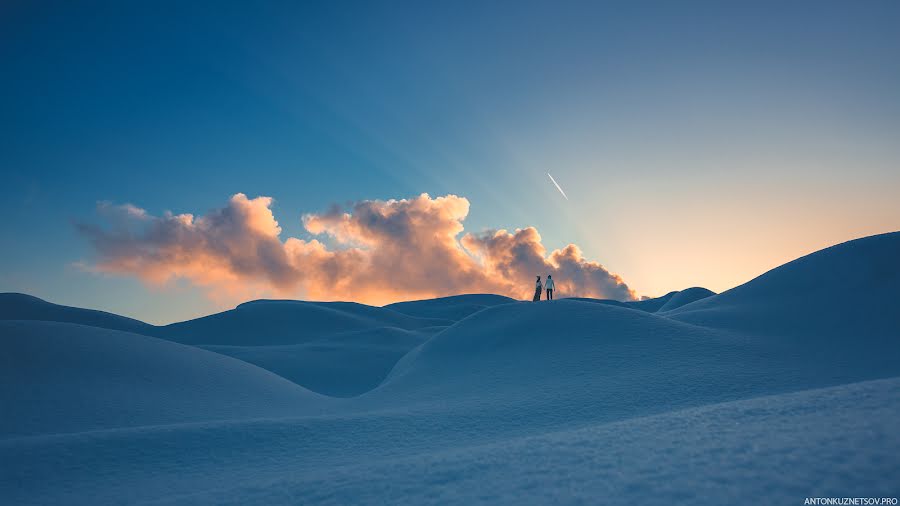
(667, 302)
(780, 389)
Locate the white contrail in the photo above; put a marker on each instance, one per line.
(557, 186)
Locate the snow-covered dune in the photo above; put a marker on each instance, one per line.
(685, 296)
(334, 348)
(608, 302)
(667, 302)
(60, 378)
(340, 365)
(280, 322)
(846, 293)
(651, 305)
(18, 306)
(565, 362)
(453, 308)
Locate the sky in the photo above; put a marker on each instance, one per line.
(165, 161)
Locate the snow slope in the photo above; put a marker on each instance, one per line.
(845, 292)
(651, 305)
(453, 308)
(62, 378)
(783, 388)
(333, 348)
(566, 362)
(18, 306)
(340, 365)
(839, 441)
(667, 302)
(339, 349)
(280, 322)
(685, 296)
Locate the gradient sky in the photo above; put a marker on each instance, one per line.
(699, 143)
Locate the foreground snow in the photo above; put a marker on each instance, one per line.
(838, 441)
(783, 388)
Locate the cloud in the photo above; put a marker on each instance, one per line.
(385, 251)
(513, 257)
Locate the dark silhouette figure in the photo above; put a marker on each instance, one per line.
(537, 290)
(549, 285)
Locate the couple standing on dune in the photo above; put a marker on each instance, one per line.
(549, 286)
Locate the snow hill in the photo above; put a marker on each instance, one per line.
(684, 297)
(65, 378)
(783, 388)
(341, 365)
(334, 348)
(279, 322)
(454, 308)
(845, 293)
(667, 302)
(18, 306)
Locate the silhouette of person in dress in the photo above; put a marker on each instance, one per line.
(537, 290)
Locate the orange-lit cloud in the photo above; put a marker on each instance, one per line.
(386, 251)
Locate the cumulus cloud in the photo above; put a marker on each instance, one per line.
(383, 251)
(513, 257)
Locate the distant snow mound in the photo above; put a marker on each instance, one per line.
(62, 378)
(684, 297)
(667, 302)
(454, 308)
(609, 302)
(341, 365)
(283, 322)
(847, 292)
(333, 348)
(651, 305)
(18, 306)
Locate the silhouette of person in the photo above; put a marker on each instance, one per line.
(537, 290)
(549, 285)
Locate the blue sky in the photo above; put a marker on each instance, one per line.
(700, 143)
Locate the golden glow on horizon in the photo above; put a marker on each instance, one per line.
(736, 235)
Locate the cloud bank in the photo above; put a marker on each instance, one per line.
(383, 251)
